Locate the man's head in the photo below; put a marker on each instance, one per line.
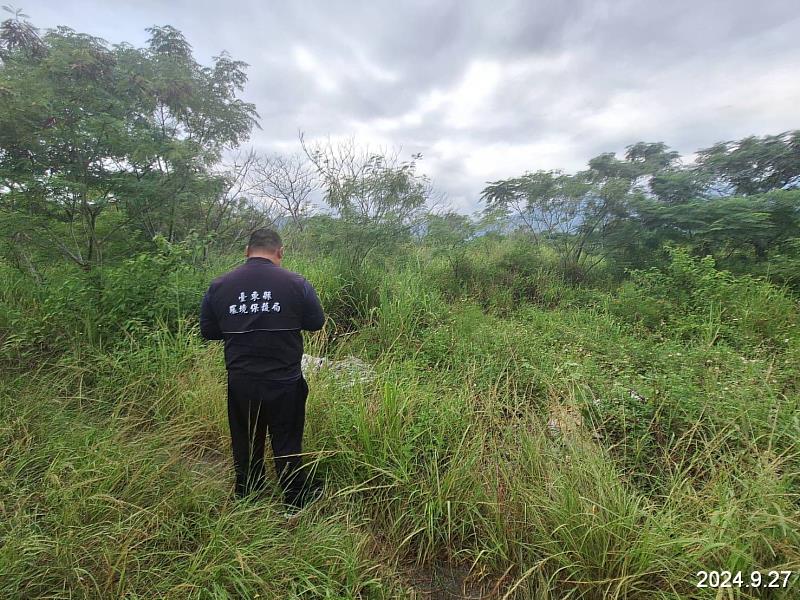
(265, 243)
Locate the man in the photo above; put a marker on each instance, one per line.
(259, 310)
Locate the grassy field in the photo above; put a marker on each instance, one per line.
(521, 438)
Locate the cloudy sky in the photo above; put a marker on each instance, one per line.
(487, 89)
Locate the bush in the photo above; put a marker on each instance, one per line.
(152, 287)
(48, 316)
(690, 298)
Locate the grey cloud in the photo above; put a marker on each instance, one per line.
(489, 89)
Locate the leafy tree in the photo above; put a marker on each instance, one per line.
(737, 199)
(378, 198)
(572, 213)
(448, 230)
(641, 159)
(98, 139)
(447, 235)
(17, 34)
(651, 157)
(676, 186)
(725, 225)
(754, 165)
(608, 166)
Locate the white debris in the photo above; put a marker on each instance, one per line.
(349, 370)
(636, 395)
(312, 363)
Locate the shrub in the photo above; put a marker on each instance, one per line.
(152, 287)
(690, 298)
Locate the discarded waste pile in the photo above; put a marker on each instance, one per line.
(347, 371)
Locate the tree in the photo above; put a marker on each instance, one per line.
(378, 198)
(725, 225)
(651, 157)
(95, 139)
(572, 213)
(288, 181)
(17, 34)
(239, 207)
(447, 235)
(677, 186)
(754, 165)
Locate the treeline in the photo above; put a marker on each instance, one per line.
(738, 201)
(105, 149)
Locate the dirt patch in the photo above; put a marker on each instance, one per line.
(450, 582)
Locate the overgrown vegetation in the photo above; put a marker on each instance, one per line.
(595, 398)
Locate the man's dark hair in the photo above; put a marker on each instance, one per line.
(265, 239)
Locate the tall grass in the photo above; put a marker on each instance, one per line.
(529, 448)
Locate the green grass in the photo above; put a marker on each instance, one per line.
(557, 443)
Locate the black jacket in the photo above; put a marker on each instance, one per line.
(259, 309)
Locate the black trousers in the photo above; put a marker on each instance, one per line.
(256, 407)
